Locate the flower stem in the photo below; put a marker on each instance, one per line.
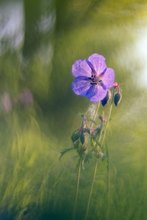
(108, 169)
(95, 115)
(77, 189)
(96, 111)
(95, 170)
(106, 125)
(101, 139)
(108, 160)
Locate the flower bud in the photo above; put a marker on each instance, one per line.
(106, 99)
(117, 98)
(115, 84)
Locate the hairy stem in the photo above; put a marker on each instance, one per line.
(94, 174)
(108, 160)
(101, 139)
(108, 165)
(106, 125)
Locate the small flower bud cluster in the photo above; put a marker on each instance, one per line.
(85, 140)
(115, 96)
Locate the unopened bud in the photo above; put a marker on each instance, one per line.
(106, 99)
(117, 98)
(115, 84)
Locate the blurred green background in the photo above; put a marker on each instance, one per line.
(39, 41)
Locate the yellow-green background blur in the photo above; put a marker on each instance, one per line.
(40, 40)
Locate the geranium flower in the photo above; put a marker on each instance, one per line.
(93, 78)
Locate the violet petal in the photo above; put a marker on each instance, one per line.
(91, 92)
(98, 62)
(81, 68)
(81, 85)
(99, 95)
(108, 78)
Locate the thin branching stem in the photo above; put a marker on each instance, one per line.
(94, 174)
(108, 160)
(95, 115)
(79, 173)
(108, 163)
(97, 110)
(101, 139)
(106, 125)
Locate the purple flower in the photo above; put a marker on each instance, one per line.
(93, 78)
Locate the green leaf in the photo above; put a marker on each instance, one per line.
(65, 151)
(75, 135)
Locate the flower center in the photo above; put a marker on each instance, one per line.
(94, 80)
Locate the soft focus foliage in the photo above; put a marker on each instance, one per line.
(34, 183)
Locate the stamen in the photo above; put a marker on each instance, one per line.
(94, 80)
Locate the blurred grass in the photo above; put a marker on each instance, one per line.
(34, 184)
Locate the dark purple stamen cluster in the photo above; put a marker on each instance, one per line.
(94, 80)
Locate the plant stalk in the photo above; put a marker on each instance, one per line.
(101, 139)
